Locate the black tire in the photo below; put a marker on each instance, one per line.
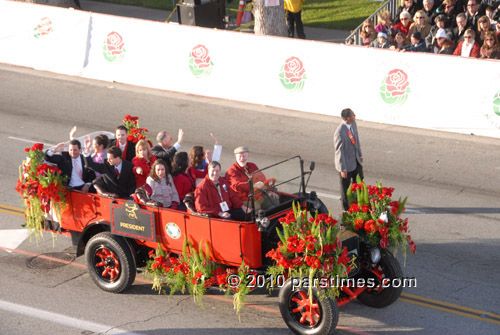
(388, 267)
(325, 317)
(110, 262)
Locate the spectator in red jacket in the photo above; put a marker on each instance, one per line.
(468, 47)
(214, 196)
(404, 25)
(142, 161)
(240, 172)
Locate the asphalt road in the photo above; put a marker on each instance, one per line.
(451, 181)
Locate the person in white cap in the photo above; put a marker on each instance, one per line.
(240, 173)
(380, 42)
(443, 44)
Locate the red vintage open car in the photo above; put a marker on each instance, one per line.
(116, 235)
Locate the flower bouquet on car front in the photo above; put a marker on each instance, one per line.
(311, 251)
(375, 217)
(41, 187)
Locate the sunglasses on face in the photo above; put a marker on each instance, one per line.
(467, 36)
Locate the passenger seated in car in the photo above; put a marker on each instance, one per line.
(162, 185)
(117, 177)
(239, 174)
(71, 165)
(214, 196)
(199, 159)
(121, 140)
(184, 182)
(142, 161)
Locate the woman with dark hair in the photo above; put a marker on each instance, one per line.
(162, 185)
(200, 158)
(184, 182)
(491, 47)
(483, 25)
(99, 144)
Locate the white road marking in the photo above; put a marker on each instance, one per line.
(61, 319)
(29, 141)
(12, 238)
(326, 195)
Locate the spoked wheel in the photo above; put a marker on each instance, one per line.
(304, 316)
(110, 262)
(387, 269)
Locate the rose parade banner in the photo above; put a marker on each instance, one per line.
(408, 89)
(43, 37)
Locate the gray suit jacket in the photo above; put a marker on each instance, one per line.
(346, 154)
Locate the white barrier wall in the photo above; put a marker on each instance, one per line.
(411, 89)
(43, 37)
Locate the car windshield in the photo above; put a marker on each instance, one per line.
(282, 183)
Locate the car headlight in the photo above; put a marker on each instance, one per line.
(375, 255)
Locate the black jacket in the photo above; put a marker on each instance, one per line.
(65, 164)
(167, 155)
(123, 185)
(130, 152)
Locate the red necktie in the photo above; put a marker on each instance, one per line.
(117, 172)
(351, 137)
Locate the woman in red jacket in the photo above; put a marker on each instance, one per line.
(214, 196)
(142, 161)
(468, 47)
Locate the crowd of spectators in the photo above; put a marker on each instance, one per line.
(467, 28)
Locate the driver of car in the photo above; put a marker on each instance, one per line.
(214, 196)
(239, 174)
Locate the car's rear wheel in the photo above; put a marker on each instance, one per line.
(304, 316)
(387, 270)
(110, 262)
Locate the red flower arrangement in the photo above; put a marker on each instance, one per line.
(193, 270)
(41, 187)
(135, 133)
(309, 247)
(375, 217)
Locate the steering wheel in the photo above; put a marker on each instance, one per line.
(268, 183)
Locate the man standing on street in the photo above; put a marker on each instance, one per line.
(348, 156)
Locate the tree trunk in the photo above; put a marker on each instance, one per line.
(269, 20)
(58, 3)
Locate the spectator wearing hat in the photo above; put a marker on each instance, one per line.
(381, 41)
(440, 23)
(420, 24)
(417, 43)
(468, 47)
(443, 44)
(459, 30)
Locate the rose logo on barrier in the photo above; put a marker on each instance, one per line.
(199, 61)
(293, 74)
(43, 28)
(395, 88)
(113, 49)
(496, 103)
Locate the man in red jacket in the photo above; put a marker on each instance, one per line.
(214, 196)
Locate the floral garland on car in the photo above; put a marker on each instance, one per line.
(310, 248)
(193, 270)
(135, 133)
(375, 217)
(41, 187)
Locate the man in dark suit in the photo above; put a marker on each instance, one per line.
(117, 177)
(120, 140)
(165, 149)
(348, 156)
(71, 165)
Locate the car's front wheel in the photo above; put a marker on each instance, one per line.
(307, 316)
(384, 272)
(110, 262)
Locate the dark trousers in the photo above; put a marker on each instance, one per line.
(238, 214)
(345, 182)
(295, 18)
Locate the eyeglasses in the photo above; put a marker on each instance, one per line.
(404, 19)
(449, 6)
(471, 4)
(489, 39)
(467, 36)
(419, 17)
